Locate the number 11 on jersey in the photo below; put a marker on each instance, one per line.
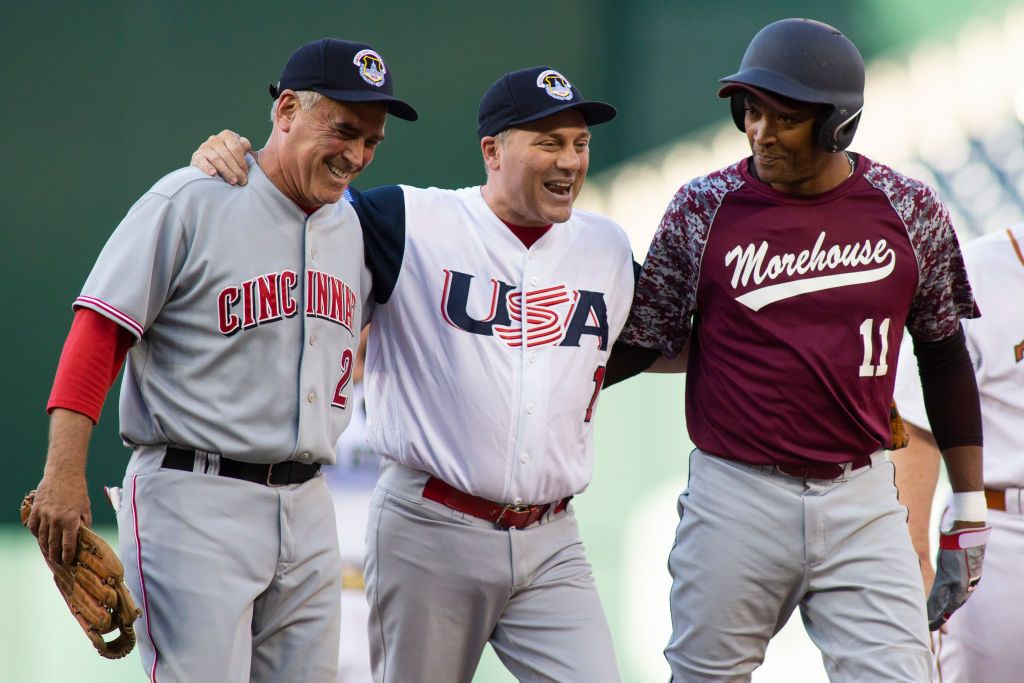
(866, 332)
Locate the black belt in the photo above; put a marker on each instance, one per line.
(274, 474)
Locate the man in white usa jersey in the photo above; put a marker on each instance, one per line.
(981, 642)
(496, 308)
(242, 309)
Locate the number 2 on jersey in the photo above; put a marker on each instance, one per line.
(866, 332)
(340, 399)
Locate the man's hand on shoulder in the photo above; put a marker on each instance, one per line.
(224, 155)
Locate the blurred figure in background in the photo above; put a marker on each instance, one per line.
(981, 641)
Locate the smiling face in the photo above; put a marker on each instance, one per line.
(323, 150)
(536, 170)
(785, 153)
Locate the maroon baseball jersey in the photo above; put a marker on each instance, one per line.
(797, 307)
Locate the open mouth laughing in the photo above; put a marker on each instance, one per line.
(341, 174)
(561, 188)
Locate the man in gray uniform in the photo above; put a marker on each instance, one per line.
(242, 309)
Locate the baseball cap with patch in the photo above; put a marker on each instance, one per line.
(532, 94)
(344, 71)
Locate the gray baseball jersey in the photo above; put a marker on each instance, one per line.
(483, 367)
(247, 314)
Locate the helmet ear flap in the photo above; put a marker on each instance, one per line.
(834, 130)
(738, 109)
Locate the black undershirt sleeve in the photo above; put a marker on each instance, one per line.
(950, 391)
(628, 360)
(381, 214)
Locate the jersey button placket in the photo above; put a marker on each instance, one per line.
(526, 407)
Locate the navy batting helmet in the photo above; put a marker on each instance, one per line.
(807, 61)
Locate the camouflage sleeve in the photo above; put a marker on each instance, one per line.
(943, 292)
(665, 295)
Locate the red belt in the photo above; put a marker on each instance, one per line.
(996, 499)
(822, 470)
(504, 516)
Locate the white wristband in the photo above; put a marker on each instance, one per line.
(970, 507)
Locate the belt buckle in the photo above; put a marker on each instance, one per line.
(270, 473)
(501, 521)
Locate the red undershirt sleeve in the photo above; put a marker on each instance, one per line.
(93, 354)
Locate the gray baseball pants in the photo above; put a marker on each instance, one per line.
(237, 581)
(753, 544)
(442, 584)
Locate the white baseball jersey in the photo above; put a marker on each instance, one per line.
(507, 343)
(995, 265)
(247, 314)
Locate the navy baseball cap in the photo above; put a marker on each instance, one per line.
(344, 71)
(531, 94)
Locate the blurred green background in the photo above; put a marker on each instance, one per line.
(102, 99)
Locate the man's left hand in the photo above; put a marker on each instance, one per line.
(958, 571)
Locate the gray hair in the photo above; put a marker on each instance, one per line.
(307, 100)
(502, 137)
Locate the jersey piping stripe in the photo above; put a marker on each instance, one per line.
(1016, 246)
(142, 582)
(125, 320)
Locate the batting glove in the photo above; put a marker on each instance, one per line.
(957, 574)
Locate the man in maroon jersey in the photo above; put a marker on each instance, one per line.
(792, 275)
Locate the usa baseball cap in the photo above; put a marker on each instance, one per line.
(342, 70)
(532, 94)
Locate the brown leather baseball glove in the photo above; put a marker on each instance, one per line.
(94, 589)
(897, 429)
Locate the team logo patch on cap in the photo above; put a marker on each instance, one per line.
(555, 84)
(371, 67)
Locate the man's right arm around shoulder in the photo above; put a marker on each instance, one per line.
(224, 155)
